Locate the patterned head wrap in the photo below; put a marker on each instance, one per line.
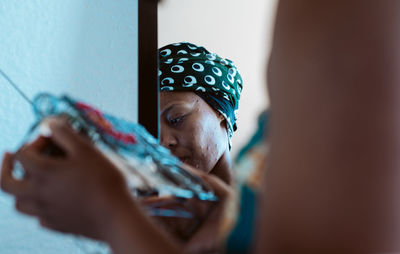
(187, 67)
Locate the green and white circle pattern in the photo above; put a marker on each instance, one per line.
(188, 67)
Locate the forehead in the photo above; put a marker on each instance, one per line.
(189, 100)
(168, 98)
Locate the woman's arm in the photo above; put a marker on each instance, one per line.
(333, 178)
(82, 193)
(131, 231)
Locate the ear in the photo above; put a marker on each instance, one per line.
(220, 117)
(222, 120)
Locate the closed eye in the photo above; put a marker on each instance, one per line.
(175, 121)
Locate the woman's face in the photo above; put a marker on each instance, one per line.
(192, 130)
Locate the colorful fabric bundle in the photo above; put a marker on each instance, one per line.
(149, 168)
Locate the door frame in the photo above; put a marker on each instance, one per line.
(148, 87)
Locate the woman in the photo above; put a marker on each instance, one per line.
(332, 182)
(199, 97)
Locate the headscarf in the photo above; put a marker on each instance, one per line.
(188, 67)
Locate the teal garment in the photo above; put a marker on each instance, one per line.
(258, 136)
(240, 239)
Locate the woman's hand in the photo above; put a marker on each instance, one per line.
(209, 237)
(202, 233)
(83, 193)
(76, 193)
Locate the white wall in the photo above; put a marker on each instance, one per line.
(87, 49)
(235, 29)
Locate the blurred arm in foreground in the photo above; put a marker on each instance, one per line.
(332, 182)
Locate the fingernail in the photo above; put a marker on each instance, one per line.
(45, 129)
(53, 122)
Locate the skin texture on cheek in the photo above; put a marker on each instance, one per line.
(200, 138)
(211, 140)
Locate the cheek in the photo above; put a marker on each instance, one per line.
(206, 145)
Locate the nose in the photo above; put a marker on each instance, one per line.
(168, 139)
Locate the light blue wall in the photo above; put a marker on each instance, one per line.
(86, 48)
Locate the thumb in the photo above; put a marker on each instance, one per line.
(65, 137)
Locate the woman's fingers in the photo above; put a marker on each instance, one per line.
(48, 222)
(34, 163)
(38, 144)
(66, 138)
(20, 188)
(7, 181)
(220, 188)
(28, 206)
(44, 223)
(157, 201)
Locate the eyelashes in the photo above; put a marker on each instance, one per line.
(176, 121)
